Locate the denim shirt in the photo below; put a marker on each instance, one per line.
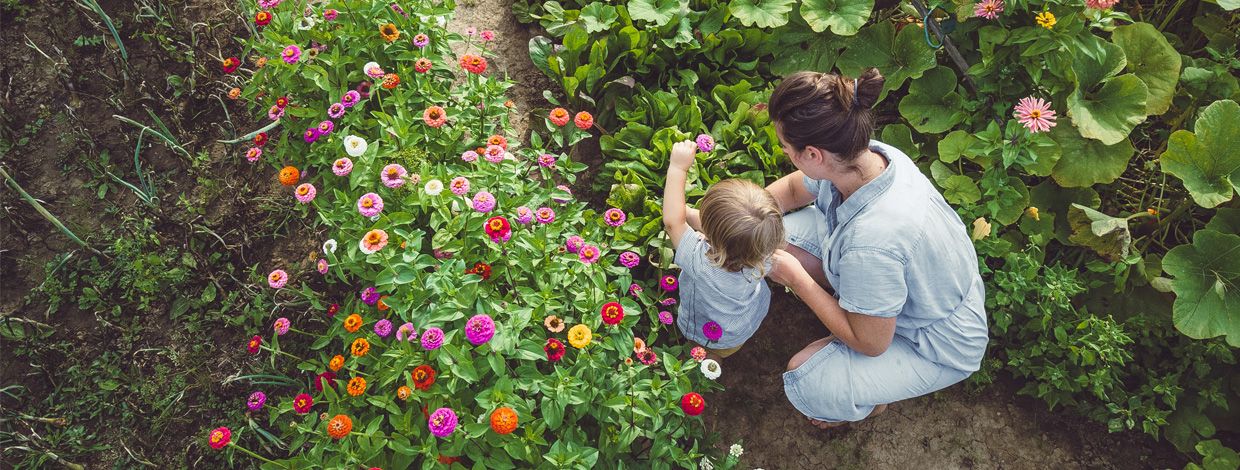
(895, 248)
(737, 301)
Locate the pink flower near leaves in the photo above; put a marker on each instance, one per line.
(1035, 114)
(989, 9)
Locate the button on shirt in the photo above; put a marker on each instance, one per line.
(895, 248)
(737, 301)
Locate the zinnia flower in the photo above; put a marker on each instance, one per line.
(253, 153)
(256, 401)
(262, 18)
(230, 64)
(281, 326)
(275, 112)
(256, 342)
(710, 368)
(311, 134)
(459, 185)
(234, 93)
(698, 353)
(705, 143)
(260, 139)
(289, 175)
(393, 175)
(665, 317)
(351, 98)
(389, 32)
(291, 54)
(329, 246)
(355, 146)
(554, 349)
(498, 229)
(432, 338)
(422, 65)
(639, 345)
(635, 289)
(406, 331)
(579, 336)
(561, 200)
(434, 116)
(629, 259)
(487, 35)
(574, 243)
(553, 324)
(333, 308)
(326, 127)
(668, 302)
(370, 204)
(494, 153)
(648, 356)
(277, 279)
(1035, 114)
(370, 296)
(588, 254)
(479, 329)
(374, 241)
(546, 160)
(383, 328)
(302, 403)
(559, 117)
(1100, 4)
(390, 81)
(404, 392)
(359, 347)
(336, 363)
(322, 266)
(305, 193)
(524, 215)
(352, 323)
(421, 40)
(423, 377)
(503, 420)
(484, 202)
(473, 63)
(342, 166)
(357, 386)
(989, 9)
(335, 110)
(614, 217)
(692, 404)
(668, 283)
(583, 120)
(442, 422)
(325, 379)
(433, 187)
(481, 269)
(219, 437)
(712, 331)
(330, 14)
(612, 313)
(1046, 19)
(498, 140)
(544, 215)
(339, 427)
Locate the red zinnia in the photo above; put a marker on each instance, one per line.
(281, 102)
(612, 313)
(473, 63)
(498, 229)
(302, 403)
(230, 64)
(554, 349)
(331, 311)
(583, 120)
(260, 139)
(558, 116)
(692, 403)
(448, 460)
(423, 377)
(481, 269)
(262, 18)
(219, 438)
(422, 65)
(255, 343)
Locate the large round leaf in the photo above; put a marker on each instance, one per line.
(932, 105)
(659, 12)
(1112, 112)
(844, 17)
(1045, 152)
(805, 50)
(599, 17)
(1095, 61)
(1106, 235)
(1152, 59)
(898, 56)
(1085, 162)
(1209, 160)
(762, 13)
(1207, 286)
(1052, 199)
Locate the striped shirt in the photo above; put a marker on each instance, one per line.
(737, 301)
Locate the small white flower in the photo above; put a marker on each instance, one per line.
(329, 246)
(433, 187)
(736, 450)
(706, 465)
(374, 218)
(354, 146)
(711, 369)
(372, 70)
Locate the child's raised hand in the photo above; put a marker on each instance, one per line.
(682, 154)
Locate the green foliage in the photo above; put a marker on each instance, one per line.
(1205, 159)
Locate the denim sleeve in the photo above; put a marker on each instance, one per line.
(872, 282)
(814, 186)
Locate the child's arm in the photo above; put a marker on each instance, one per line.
(675, 218)
(695, 219)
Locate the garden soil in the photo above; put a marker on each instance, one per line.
(59, 111)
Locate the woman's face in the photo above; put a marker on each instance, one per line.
(803, 160)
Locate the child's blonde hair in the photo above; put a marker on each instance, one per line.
(743, 223)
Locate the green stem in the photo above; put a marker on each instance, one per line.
(46, 215)
(252, 454)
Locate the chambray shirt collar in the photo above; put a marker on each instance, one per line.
(870, 191)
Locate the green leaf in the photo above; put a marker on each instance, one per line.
(1051, 199)
(541, 49)
(899, 56)
(1152, 59)
(761, 13)
(1086, 162)
(901, 137)
(957, 144)
(659, 12)
(811, 51)
(1226, 220)
(1106, 235)
(932, 105)
(1215, 455)
(599, 17)
(957, 189)
(1207, 286)
(843, 17)
(1208, 160)
(1097, 61)
(1112, 112)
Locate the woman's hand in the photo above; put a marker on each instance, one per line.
(787, 270)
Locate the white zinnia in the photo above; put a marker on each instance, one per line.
(433, 187)
(354, 146)
(372, 70)
(705, 464)
(329, 246)
(736, 450)
(711, 369)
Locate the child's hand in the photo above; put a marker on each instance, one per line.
(682, 155)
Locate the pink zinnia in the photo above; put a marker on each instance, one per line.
(698, 353)
(488, 35)
(291, 54)
(614, 217)
(253, 153)
(588, 254)
(442, 422)
(479, 329)
(281, 326)
(1035, 114)
(326, 127)
(350, 98)
(322, 265)
(421, 40)
(544, 215)
(459, 185)
(335, 110)
(525, 215)
(393, 175)
(383, 328)
(370, 204)
(989, 9)
(484, 202)
(256, 401)
(432, 338)
(630, 259)
(668, 283)
(219, 438)
(305, 193)
(277, 279)
(573, 244)
(330, 14)
(374, 241)
(469, 156)
(342, 166)
(406, 331)
(665, 317)
(546, 160)
(494, 154)
(705, 143)
(1100, 4)
(670, 301)
(275, 112)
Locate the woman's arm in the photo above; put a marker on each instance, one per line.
(790, 192)
(866, 334)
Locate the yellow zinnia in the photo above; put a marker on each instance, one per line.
(1046, 19)
(579, 336)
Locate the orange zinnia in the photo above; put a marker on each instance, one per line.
(289, 176)
(336, 363)
(403, 392)
(435, 116)
(357, 386)
(558, 116)
(352, 323)
(389, 32)
(339, 427)
(360, 347)
(390, 81)
(504, 420)
(583, 120)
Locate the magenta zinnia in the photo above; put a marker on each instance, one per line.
(588, 254)
(629, 259)
(291, 54)
(544, 215)
(479, 329)
(989, 9)
(573, 244)
(432, 338)
(442, 422)
(256, 401)
(498, 229)
(712, 331)
(614, 217)
(668, 283)
(1035, 114)
(302, 403)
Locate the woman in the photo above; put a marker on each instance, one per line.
(907, 317)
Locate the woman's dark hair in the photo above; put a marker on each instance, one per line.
(827, 111)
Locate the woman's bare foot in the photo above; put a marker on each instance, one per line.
(878, 410)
